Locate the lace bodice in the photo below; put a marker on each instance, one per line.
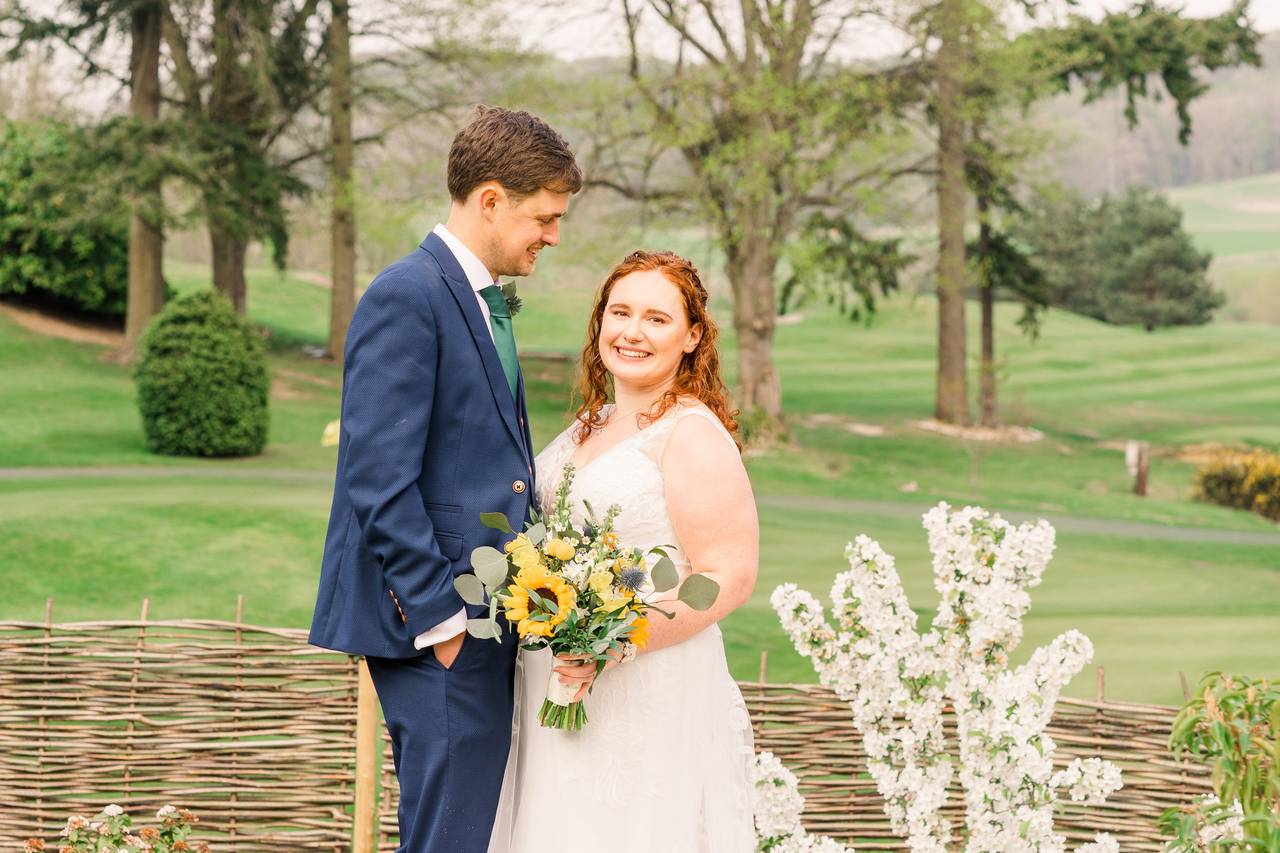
(628, 474)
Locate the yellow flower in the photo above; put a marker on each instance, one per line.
(520, 608)
(559, 549)
(599, 582)
(639, 631)
(612, 601)
(523, 553)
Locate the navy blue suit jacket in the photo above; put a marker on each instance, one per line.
(430, 438)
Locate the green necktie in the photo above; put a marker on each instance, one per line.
(503, 338)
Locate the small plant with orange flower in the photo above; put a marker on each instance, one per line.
(575, 589)
(111, 830)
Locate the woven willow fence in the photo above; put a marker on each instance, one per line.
(275, 744)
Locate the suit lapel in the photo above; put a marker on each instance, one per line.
(463, 294)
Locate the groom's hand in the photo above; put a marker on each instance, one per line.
(447, 650)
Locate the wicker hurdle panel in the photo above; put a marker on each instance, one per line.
(249, 727)
(812, 732)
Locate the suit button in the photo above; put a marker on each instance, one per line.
(518, 487)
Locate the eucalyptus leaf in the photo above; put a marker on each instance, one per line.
(497, 521)
(490, 566)
(664, 575)
(470, 588)
(699, 591)
(484, 629)
(537, 533)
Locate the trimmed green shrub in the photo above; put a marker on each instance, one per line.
(202, 380)
(1248, 480)
(64, 232)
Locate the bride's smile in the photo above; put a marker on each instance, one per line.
(645, 330)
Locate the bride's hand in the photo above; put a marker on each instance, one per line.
(582, 670)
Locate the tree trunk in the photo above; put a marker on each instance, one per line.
(951, 404)
(750, 268)
(988, 406)
(228, 264)
(342, 297)
(146, 240)
(230, 99)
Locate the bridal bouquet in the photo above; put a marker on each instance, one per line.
(579, 592)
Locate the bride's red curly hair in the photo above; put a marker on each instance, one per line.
(698, 375)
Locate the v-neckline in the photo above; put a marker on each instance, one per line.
(578, 469)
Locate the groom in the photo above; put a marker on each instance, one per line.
(435, 432)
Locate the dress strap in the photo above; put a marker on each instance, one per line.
(707, 415)
(657, 436)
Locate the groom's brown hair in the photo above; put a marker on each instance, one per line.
(515, 148)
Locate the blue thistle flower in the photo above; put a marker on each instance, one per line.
(631, 579)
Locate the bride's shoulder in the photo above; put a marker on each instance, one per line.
(695, 428)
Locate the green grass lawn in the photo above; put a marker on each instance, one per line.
(1239, 221)
(193, 539)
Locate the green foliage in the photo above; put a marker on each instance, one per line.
(1233, 725)
(831, 258)
(1127, 49)
(61, 236)
(202, 380)
(1242, 480)
(1152, 274)
(1125, 260)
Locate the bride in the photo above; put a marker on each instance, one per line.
(664, 762)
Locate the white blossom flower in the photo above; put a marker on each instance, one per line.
(897, 681)
(1089, 780)
(776, 799)
(1103, 842)
(113, 810)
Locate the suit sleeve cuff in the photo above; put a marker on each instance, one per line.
(446, 630)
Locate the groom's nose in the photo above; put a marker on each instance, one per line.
(551, 233)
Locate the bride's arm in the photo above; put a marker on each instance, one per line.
(713, 513)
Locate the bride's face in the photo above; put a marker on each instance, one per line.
(645, 330)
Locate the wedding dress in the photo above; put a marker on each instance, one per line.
(664, 760)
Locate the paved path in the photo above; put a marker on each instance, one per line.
(893, 509)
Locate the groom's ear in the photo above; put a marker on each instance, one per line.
(490, 195)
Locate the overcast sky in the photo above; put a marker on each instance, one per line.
(581, 34)
(579, 29)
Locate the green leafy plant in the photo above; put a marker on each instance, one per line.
(64, 231)
(202, 380)
(1233, 725)
(111, 831)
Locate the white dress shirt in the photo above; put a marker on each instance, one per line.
(479, 278)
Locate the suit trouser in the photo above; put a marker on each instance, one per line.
(450, 734)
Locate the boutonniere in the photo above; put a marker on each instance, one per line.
(514, 302)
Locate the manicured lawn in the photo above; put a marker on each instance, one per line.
(192, 539)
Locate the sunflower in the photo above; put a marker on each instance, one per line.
(520, 608)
